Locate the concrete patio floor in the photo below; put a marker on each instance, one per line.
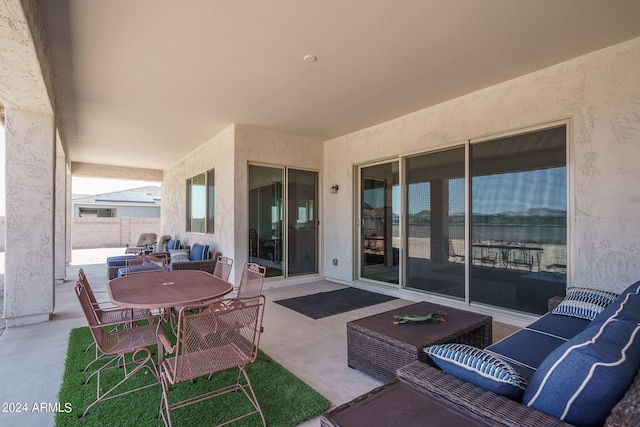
(32, 357)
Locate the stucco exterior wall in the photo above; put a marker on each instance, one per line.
(229, 153)
(599, 93)
(267, 147)
(217, 154)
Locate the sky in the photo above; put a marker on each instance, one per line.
(80, 185)
(498, 193)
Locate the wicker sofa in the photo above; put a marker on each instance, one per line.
(198, 257)
(527, 350)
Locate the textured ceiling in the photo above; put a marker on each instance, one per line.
(141, 83)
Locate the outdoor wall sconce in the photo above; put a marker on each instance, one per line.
(334, 188)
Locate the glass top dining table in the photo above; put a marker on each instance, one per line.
(165, 289)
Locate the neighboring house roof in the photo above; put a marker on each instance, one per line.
(150, 195)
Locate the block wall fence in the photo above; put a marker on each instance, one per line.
(88, 233)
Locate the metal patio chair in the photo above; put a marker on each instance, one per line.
(221, 270)
(145, 240)
(251, 281)
(118, 316)
(112, 314)
(456, 250)
(232, 329)
(118, 343)
(223, 267)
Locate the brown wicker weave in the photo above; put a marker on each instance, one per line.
(627, 411)
(484, 405)
(495, 409)
(207, 265)
(477, 402)
(398, 404)
(378, 348)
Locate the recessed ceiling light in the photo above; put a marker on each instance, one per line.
(310, 58)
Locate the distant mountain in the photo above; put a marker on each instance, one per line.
(535, 212)
(529, 212)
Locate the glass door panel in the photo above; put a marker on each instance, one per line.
(302, 222)
(266, 214)
(380, 222)
(436, 223)
(519, 217)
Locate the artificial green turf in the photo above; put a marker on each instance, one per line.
(284, 398)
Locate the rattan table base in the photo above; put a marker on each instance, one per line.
(377, 347)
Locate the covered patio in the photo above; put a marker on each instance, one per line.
(286, 120)
(314, 350)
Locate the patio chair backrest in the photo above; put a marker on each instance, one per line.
(223, 267)
(224, 335)
(146, 239)
(84, 283)
(251, 281)
(88, 308)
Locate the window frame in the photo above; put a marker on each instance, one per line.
(207, 202)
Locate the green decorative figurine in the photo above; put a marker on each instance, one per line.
(398, 319)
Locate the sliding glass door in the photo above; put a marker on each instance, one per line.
(436, 223)
(266, 212)
(302, 228)
(380, 222)
(519, 220)
(283, 230)
(484, 222)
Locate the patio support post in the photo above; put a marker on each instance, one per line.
(61, 206)
(30, 200)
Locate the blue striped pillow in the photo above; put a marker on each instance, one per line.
(179, 255)
(478, 367)
(582, 380)
(584, 302)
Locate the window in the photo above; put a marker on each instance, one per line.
(201, 203)
(97, 212)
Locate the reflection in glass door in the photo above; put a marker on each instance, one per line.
(519, 220)
(267, 220)
(435, 238)
(266, 212)
(302, 222)
(379, 223)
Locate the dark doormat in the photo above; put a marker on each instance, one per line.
(325, 304)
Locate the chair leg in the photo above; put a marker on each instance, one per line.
(140, 365)
(165, 407)
(252, 398)
(165, 414)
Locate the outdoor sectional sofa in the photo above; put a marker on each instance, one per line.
(563, 369)
(195, 257)
(198, 257)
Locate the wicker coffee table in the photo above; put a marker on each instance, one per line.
(398, 404)
(377, 347)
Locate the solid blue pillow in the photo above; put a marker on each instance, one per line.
(199, 252)
(582, 380)
(173, 244)
(614, 306)
(478, 367)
